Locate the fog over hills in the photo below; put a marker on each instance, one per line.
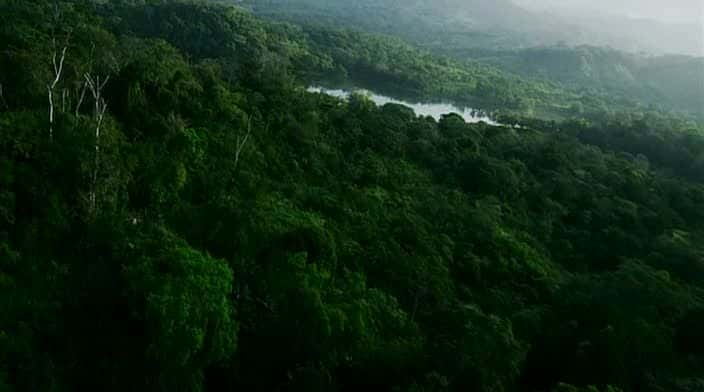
(672, 11)
(638, 50)
(654, 26)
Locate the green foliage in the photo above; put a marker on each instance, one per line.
(185, 299)
(672, 82)
(485, 37)
(230, 231)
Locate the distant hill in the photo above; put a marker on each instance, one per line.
(454, 23)
(497, 24)
(676, 82)
(528, 43)
(654, 26)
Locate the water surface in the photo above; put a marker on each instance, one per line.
(434, 110)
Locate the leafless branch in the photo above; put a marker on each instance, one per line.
(58, 70)
(64, 99)
(58, 67)
(96, 84)
(242, 141)
(81, 97)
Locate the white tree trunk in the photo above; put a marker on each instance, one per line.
(51, 112)
(242, 141)
(58, 69)
(64, 100)
(81, 97)
(96, 85)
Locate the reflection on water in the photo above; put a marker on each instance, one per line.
(435, 110)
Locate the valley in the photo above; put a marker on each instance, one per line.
(320, 196)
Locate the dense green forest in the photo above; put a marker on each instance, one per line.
(177, 213)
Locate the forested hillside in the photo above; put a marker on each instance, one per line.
(518, 42)
(473, 23)
(177, 213)
(674, 82)
(499, 24)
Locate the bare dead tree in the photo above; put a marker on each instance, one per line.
(64, 99)
(242, 141)
(81, 87)
(58, 57)
(57, 60)
(81, 96)
(95, 85)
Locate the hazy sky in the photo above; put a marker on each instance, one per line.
(664, 10)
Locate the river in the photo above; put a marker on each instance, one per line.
(434, 110)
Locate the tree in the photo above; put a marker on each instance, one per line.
(184, 300)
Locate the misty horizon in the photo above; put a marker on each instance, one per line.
(671, 12)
